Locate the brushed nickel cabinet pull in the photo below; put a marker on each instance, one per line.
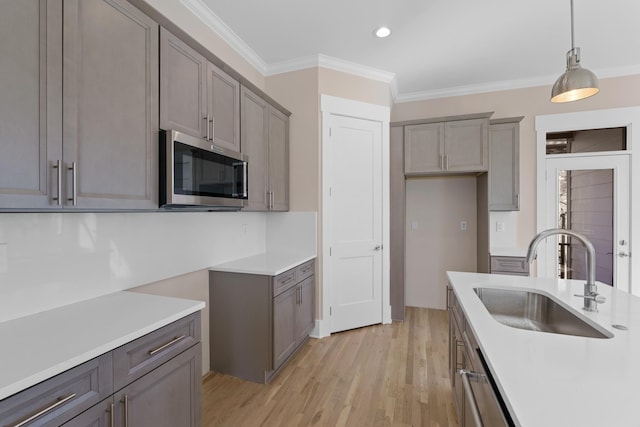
(446, 162)
(212, 128)
(162, 347)
(74, 184)
(125, 400)
(59, 402)
(206, 124)
(112, 415)
(58, 198)
(441, 162)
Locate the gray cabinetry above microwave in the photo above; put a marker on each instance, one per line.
(196, 96)
(93, 146)
(265, 139)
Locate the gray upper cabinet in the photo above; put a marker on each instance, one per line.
(183, 100)
(265, 139)
(110, 105)
(278, 160)
(30, 107)
(223, 95)
(504, 173)
(197, 97)
(447, 147)
(93, 146)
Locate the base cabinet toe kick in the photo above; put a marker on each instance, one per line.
(154, 380)
(477, 399)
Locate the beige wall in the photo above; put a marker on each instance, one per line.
(529, 102)
(189, 286)
(435, 206)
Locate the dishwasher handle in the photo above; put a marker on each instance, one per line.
(466, 374)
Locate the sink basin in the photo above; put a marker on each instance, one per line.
(535, 312)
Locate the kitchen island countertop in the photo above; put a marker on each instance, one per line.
(549, 379)
(42, 345)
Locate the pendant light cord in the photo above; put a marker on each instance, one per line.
(572, 34)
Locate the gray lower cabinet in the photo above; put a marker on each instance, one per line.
(265, 139)
(197, 97)
(504, 160)
(456, 146)
(154, 380)
(93, 145)
(510, 265)
(259, 321)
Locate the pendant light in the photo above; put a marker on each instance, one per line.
(577, 82)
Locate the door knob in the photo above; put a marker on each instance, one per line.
(377, 248)
(620, 254)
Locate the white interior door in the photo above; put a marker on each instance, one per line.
(599, 190)
(354, 221)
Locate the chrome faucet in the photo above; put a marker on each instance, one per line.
(591, 297)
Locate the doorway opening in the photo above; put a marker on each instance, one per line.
(586, 200)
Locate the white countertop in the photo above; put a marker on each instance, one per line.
(508, 251)
(559, 380)
(267, 264)
(42, 345)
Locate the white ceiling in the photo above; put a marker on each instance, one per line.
(438, 47)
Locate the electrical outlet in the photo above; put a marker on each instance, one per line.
(500, 227)
(463, 225)
(414, 225)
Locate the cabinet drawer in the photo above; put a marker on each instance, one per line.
(503, 264)
(60, 398)
(285, 281)
(305, 270)
(133, 360)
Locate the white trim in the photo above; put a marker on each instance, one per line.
(206, 15)
(597, 119)
(331, 105)
(505, 85)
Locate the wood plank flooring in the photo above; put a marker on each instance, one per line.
(383, 375)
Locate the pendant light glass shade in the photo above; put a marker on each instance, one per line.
(577, 82)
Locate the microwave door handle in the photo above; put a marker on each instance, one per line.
(245, 188)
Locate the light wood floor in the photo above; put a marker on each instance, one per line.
(383, 375)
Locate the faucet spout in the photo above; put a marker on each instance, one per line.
(590, 296)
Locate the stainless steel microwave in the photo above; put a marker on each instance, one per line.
(196, 173)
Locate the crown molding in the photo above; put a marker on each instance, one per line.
(506, 85)
(200, 9)
(206, 15)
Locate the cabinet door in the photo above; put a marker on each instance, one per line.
(504, 169)
(424, 148)
(305, 309)
(223, 94)
(278, 160)
(110, 103)
(466, 148)
(30, 104)
(168, 396)
(183, 103)
(253, 123)
(284, 325)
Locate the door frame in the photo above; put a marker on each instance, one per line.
(331, 105)
(596, 119)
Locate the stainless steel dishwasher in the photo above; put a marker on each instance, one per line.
(483, 405)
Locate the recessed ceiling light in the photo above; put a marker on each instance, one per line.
(382, 32)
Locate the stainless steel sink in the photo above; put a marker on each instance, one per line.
(535, 312)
